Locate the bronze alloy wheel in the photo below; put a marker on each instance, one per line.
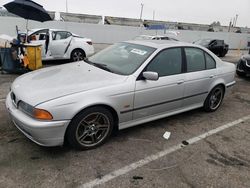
(214, 99)
(92, 129)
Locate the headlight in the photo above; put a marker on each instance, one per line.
(34, 112)
(248, 63)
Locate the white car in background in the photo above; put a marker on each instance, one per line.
(61, 44)
(155, 37)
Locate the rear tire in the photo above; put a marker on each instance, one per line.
(214, 99)
(90, 128)
(77, 55)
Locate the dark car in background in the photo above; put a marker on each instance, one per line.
(243, 65)
(218, 47)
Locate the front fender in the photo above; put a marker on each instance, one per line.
(67, 107)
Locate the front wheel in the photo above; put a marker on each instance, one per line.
(214, 99)
(90, 128)
(77, 55)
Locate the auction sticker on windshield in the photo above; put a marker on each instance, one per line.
(138, 51)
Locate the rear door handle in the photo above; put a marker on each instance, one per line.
(211, 76)
(180, 82)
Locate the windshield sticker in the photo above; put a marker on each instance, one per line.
(138, 51)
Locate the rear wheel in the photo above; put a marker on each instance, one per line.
(214, 99)
(77, 55)
(90, 128)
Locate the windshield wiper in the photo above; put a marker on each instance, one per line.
(99, 65)
(87, 60)
(102, 66)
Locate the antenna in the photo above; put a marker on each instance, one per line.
(67, 6)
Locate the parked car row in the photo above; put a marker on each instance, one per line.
(61, 44)
(126, 84)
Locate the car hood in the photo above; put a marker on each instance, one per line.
(58, 81)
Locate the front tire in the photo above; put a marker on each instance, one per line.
(90, 128)
(214, 99)
(77, 55)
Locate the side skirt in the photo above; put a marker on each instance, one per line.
(132, 123)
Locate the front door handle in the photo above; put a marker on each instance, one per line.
(211, 76)
(180, 82)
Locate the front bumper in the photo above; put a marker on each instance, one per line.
(44, 133)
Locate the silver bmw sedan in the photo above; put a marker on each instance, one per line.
(126, 84)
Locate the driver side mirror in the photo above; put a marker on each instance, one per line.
(148, 75)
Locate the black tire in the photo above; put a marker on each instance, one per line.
(214, 99)
(77, 55)
(222, 54)
(90, 128)
(240, 74)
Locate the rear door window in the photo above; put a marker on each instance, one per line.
(195, 59)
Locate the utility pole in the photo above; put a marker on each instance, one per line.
(230, 24)
(67, 6)
(236, 19)
(154, 15)
(142, 5)
(234, 22)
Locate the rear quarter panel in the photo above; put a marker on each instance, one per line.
(80, 43)
(225, 74)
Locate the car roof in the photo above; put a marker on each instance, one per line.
(35, 30)
(161, 43)
(210, 39)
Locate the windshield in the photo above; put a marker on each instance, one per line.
(122, 58)
(203, 42)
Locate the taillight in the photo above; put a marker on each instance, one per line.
(89, 42)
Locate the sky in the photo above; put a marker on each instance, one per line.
(190, 11)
